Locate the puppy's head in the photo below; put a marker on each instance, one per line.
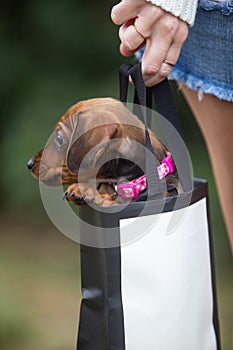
(49, 165)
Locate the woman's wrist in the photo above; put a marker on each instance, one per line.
(185, 10)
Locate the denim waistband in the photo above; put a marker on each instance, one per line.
(226, 7)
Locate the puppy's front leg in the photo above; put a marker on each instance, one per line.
(79, 193)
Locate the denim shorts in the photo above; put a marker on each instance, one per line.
(206, 60)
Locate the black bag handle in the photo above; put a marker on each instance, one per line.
(161, 93)
(142, 98)
(165, 105)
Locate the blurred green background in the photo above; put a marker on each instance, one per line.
(52, 54)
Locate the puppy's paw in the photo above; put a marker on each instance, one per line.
(79, 193)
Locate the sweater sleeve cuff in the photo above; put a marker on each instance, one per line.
(184, 9)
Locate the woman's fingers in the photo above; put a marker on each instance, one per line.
(134, 32)
(126, 10)
(162, 34)
(162, 52)
(137, 21)
(130, 37)
(157, 48)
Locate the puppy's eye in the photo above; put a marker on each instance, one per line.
(59, 140)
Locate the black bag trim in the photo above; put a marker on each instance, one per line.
(101, 313)
(133, 209)
(213, 277)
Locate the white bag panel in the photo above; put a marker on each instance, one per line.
(166, 283)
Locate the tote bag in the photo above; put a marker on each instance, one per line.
(148, 279)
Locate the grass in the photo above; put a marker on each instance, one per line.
(40, 290)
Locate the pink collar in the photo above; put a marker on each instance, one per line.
(133, 188)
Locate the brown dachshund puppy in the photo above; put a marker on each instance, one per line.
(97, 140)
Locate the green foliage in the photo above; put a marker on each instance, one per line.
(53, 53)
(14, 325)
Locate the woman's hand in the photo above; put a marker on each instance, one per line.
(163, 35)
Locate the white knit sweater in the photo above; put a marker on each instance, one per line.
(184, 9)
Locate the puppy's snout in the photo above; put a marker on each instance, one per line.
(31, 163)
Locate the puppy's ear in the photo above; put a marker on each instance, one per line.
(89, 147)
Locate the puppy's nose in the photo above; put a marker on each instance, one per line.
(31, 163)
